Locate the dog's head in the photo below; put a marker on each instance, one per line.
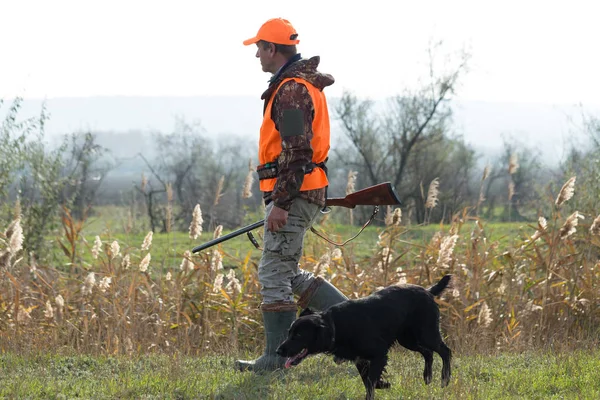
(309, 334)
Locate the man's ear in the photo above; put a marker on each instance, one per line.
(306, 311)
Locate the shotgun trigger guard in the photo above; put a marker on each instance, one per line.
(325, 210)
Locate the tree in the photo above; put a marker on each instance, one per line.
(31, 172)
(84, 171)
(513, 179)
(451, 161)
(13, 138)
(380, 147)
(198, 170)
(583, 161)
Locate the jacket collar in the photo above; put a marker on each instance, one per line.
(289, 62)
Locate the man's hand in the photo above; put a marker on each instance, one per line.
(277, 219)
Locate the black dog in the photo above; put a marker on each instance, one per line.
(363, 331)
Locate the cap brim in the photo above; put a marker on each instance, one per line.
(250, 41)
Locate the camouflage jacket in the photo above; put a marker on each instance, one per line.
(296, 150)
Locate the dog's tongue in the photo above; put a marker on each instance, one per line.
(290, 360)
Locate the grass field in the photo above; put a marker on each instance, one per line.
(505, 376)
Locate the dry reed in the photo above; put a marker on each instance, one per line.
(169, 210)
(196, 224)
(537, 290)
(247, 189)
(351, 188)
(566, 192)
(513, 164)
(432, 194)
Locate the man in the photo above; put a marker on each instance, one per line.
(293, 149)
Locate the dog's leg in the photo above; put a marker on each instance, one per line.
(373, 374)
(446, 355)
(432, 339)
(428, 356)
(408, 342)
(363, 369)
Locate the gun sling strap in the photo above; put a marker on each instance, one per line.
(313, 230)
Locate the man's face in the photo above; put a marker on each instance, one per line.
(266, 57)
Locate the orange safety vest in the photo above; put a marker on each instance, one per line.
(269, 145)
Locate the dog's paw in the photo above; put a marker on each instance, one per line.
(339, 360)
(427, 379)
(382, 384)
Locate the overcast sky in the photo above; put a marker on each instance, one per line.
(523, 51)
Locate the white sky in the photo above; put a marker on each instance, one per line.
(524, 51)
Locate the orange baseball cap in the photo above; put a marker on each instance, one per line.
(275, 30)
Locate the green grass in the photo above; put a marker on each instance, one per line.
(505, 376)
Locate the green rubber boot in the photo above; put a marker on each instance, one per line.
(277, 324)
(321, 295)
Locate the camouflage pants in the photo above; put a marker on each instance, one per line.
(279, 272)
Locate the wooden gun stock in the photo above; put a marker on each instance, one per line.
(382, 194)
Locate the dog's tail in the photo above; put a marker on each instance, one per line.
(439, 287)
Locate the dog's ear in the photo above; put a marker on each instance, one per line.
(324, 336)
(321, 323)
(306, 311)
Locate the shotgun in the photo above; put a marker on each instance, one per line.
(382, 194)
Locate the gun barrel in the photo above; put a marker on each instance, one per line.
(228, 236)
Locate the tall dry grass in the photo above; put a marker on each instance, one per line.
(540, 292)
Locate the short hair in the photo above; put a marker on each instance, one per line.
(287, 50)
